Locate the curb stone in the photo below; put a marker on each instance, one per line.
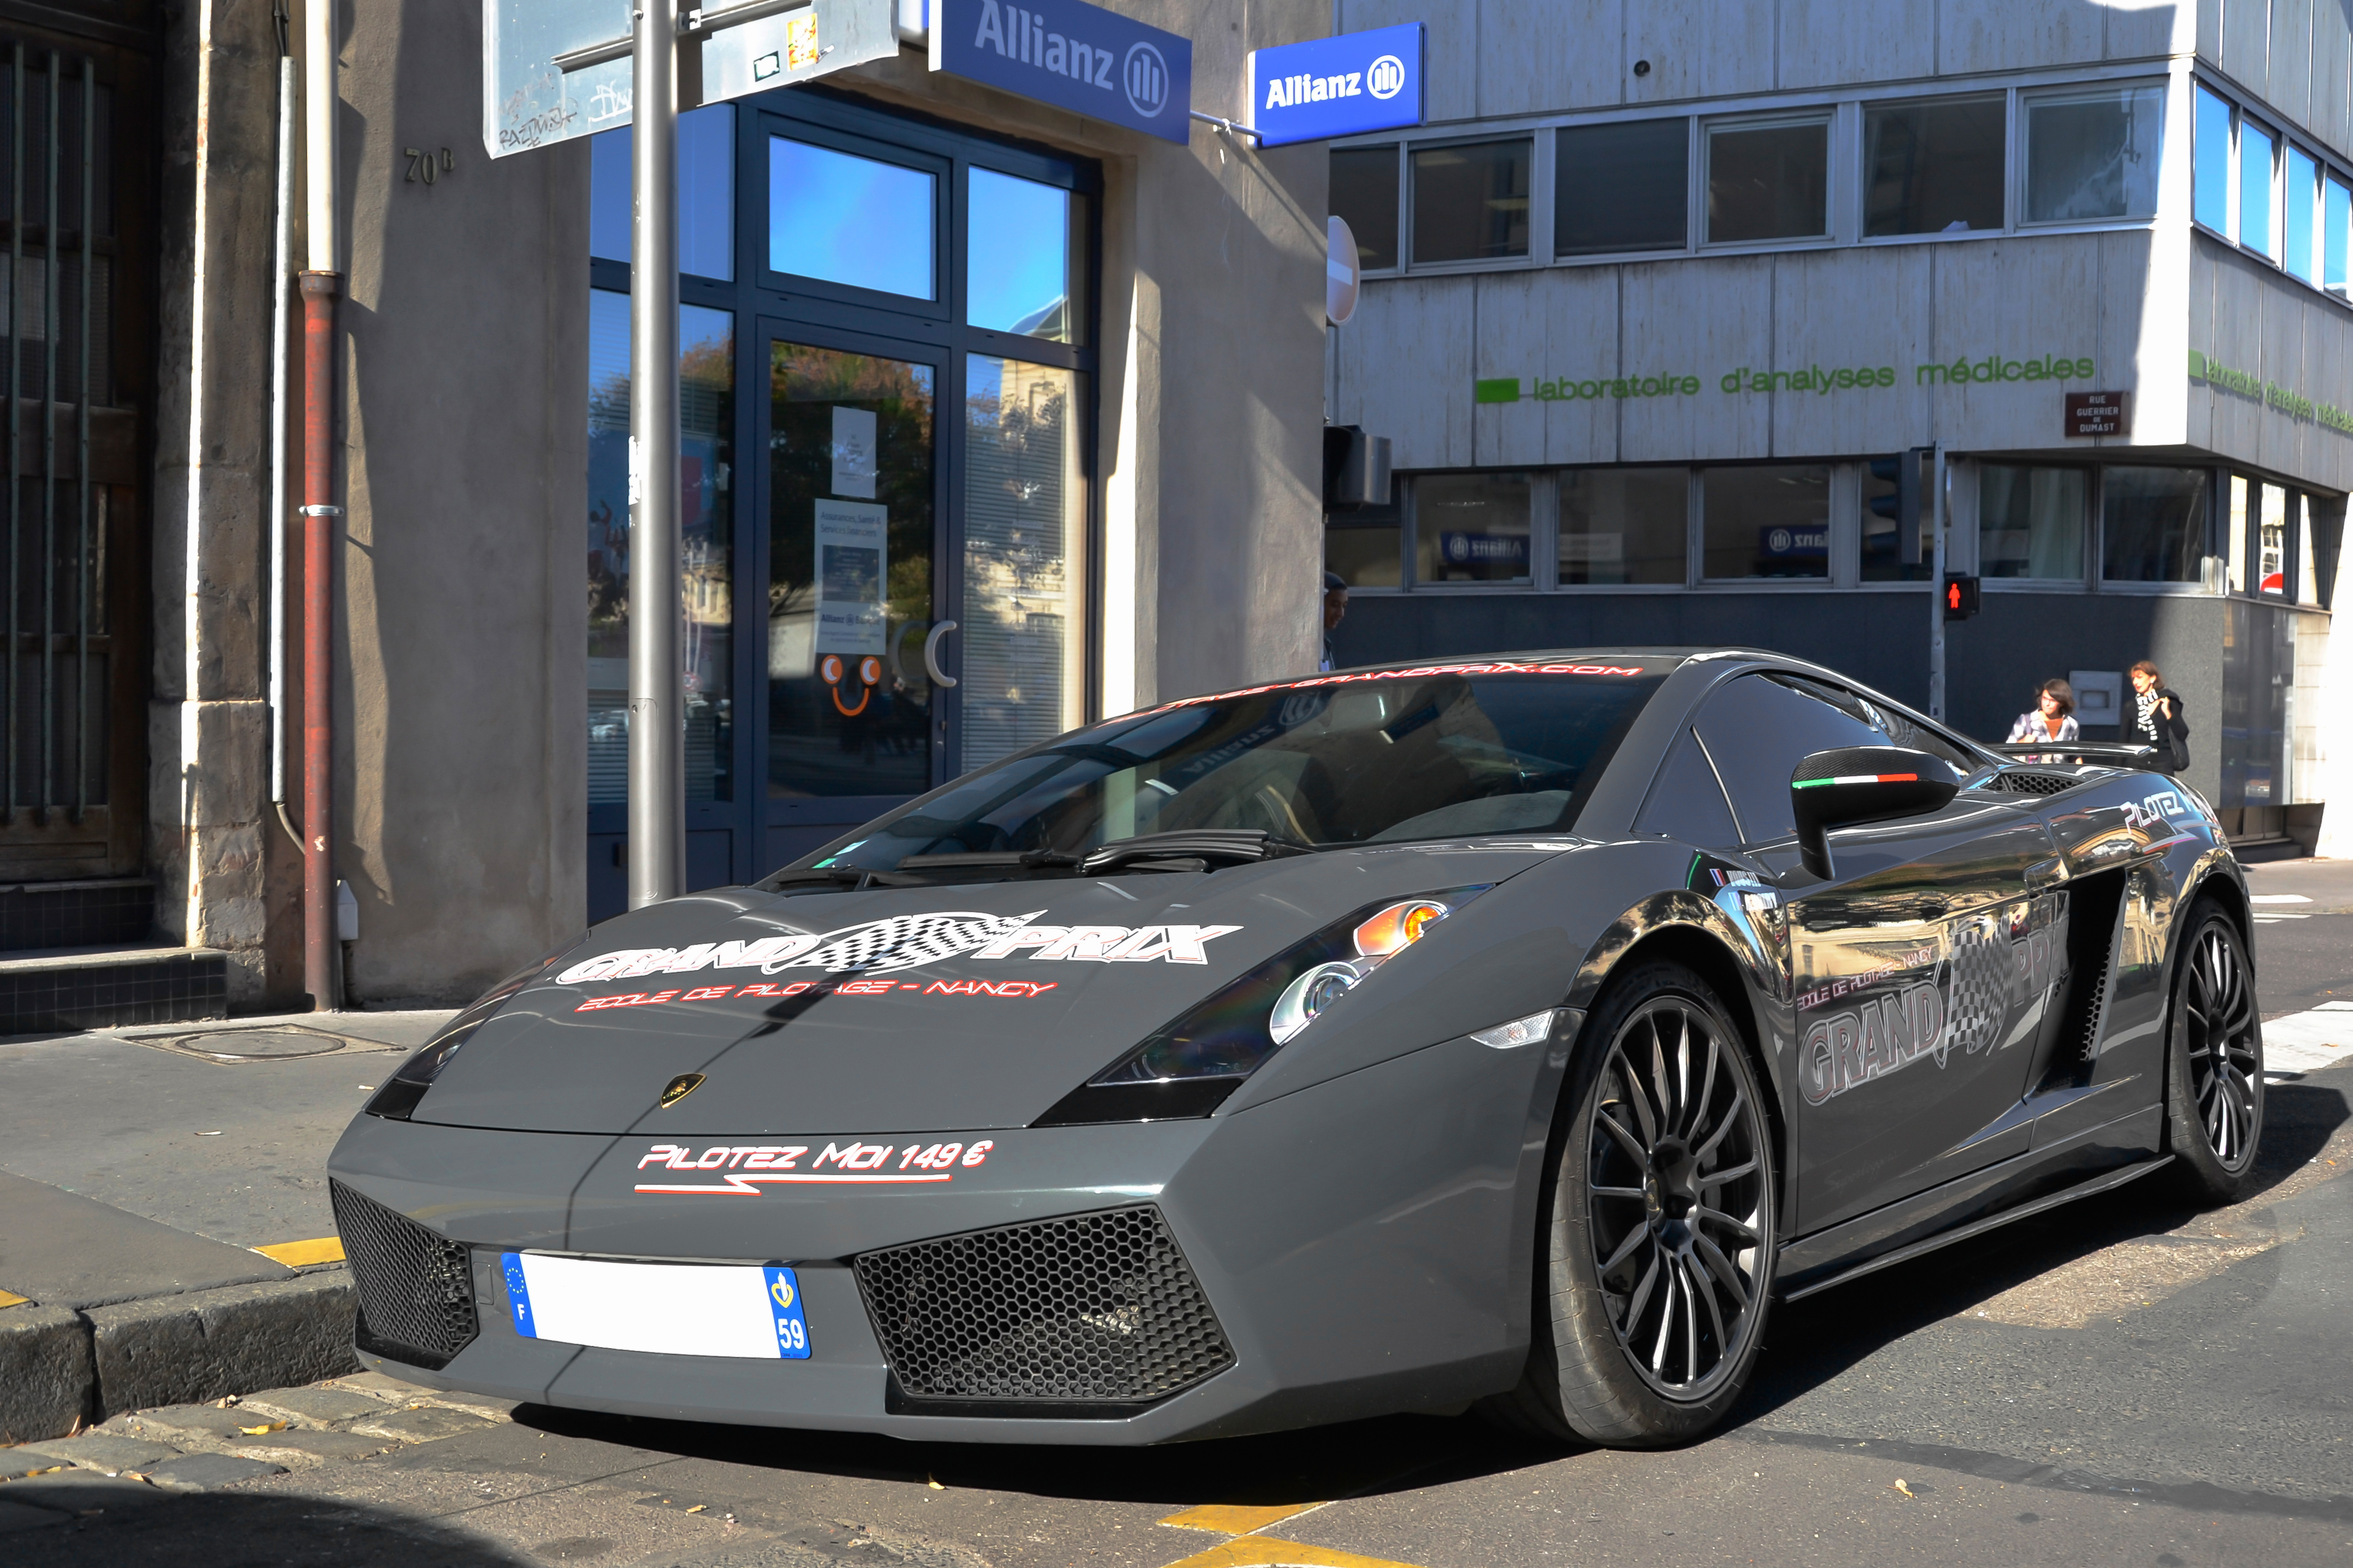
(45, 1372)
(207, 1344)
(60, 1368)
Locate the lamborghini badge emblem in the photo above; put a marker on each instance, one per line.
(678, 1088)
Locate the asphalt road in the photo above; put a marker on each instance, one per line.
(2126, 1381)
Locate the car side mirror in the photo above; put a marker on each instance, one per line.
(1862, 783)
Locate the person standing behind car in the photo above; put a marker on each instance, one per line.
(2157, 718)
(1336, 607)
(2052, 719)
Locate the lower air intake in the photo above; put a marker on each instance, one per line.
(1093, 1309)
(416, 1286)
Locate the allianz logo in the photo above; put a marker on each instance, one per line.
(1384, 78)
(1017, 34)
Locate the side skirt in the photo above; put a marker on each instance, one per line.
(2106, 1182)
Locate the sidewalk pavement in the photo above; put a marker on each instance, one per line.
(164, 1230)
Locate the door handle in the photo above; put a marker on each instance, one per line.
(940, 678)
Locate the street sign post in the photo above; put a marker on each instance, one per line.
(557, 69)
(1340, 86)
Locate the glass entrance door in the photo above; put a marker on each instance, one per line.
(854, 717)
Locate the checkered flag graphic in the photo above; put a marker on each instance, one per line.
(902, 942)
(1977, 991)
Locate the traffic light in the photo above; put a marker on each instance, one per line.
(1960, 596)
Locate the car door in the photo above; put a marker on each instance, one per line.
(1906, 1000)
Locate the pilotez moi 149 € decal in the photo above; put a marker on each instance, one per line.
(1073, 56)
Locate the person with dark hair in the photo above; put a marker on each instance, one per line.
(2157, 720)
(2051, 720)
(1335, 607)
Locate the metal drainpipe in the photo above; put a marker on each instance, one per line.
(318, 514)
(321, 283)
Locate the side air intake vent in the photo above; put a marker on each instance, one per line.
(1090, 1309)
(2018, 781)
(416, 1286)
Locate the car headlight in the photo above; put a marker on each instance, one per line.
(1189, 1068)
(398, 1099)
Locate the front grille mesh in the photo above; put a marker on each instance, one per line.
(416, 1286)
(2017, 782)
(1091, 1309)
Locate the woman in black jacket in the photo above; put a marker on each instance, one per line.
(2156, 719)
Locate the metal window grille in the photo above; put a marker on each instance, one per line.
(56, 293)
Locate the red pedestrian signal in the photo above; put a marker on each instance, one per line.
(1960, 597)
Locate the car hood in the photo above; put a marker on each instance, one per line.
(901, 1010)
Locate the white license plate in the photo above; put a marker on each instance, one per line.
(669, 1308)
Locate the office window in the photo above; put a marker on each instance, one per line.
(1771, 521)
(2298, 198)
(2257, 150)
(1884, 559)
(1470, 528)
(2210, 163)
(1365, 196)
(2093, 155)
(1933, 166)
(2324, 537)
(2152, 523)
(2031, 521)
(2234, 575)
(706, 193)
(1471, 203)
(2271, 541)
(1623, 525)
(1020, 267)
(2336, 215)
(1621, 187)
(1363, 546)
(847, 219)
(1767, 181)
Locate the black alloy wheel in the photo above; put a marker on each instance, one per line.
(1660, 1239)
(1674, 1188)
(2215, 1061)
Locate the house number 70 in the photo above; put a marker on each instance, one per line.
(427, 166)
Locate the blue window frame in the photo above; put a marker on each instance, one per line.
(2299, 194)
(2258, 152)
(2210, 164)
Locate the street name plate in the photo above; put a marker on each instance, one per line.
(1073, 56)
(533, 97)
(1337, 86)
(2099, 414)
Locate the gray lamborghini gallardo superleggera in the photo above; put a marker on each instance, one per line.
(1509, 1032)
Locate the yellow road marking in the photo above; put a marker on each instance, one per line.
(300, 1254)
(10, 1298)
(1265, 1552)
(1237, 1519)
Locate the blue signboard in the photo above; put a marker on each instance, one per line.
(1073, 56)
(1337, 87)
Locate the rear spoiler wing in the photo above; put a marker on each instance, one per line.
(2102, 753)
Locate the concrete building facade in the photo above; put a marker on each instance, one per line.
(1661, 297)
(1111, 488)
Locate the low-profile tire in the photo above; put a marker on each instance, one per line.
(1655, 1262)
(2213, 1062)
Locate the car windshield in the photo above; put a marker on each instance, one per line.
(1389, 757)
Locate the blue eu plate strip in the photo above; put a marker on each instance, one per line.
(519, 1296)
(785, 1306)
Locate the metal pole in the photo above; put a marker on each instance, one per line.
(1937, 588)
(657, 677)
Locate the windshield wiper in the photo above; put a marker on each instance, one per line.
(1012, 860)
(1199, 845)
